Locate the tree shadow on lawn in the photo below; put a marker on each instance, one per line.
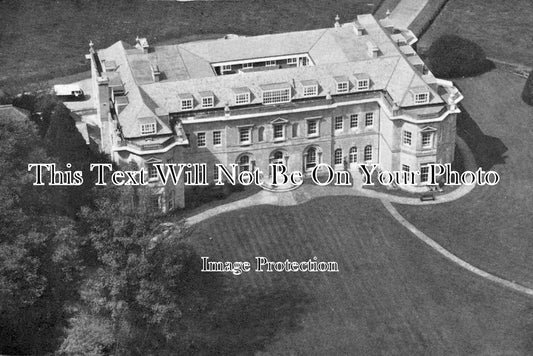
(488, 150)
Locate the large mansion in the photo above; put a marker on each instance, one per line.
(353, 93)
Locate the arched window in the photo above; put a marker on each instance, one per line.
(278, 155)
(295, 129)
(337, 159)
(368, 153)
(353, 154)
(261, 134)
(311, 160)
(244, 163)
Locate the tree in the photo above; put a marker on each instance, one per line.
(65, 144)
(527, 93)
(38, 251)
(142, 282)
(452, 56)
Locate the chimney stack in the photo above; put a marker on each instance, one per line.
(156, 74)
(358, 28)
(142, 44)
(373, 49)
(337, 24)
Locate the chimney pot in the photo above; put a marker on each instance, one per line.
(337, 19)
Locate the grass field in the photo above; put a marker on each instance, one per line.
(42, 39)
(502, 28)
(393, 295)
(492, 227)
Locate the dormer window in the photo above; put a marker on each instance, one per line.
(343, 84)
(208, 99)
(226, 68)
(186, 104)
(363, 84)
(293, 61)
(342, 87)
(148, 128)
(186, 101)
(362, 81)
(276, 93)
(207, 102)
(242, 96)
(247, 65)
(310, 88)
(270, 63)
(421, 98)
(420, 95)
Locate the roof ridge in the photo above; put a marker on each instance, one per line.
(183, 61)
(393, 71)
(318, 39)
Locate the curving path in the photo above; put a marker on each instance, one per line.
(305, 194)
(450, 256)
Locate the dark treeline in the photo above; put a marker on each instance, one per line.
(92, 270)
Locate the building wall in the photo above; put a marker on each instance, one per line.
(293, 146)
(170, 196)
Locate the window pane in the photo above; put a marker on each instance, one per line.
(369, 119)
(368, 153)
(426, 139)
(201, 139)
(354, 120)
(353, 155)
(342, 87)
(407, 138)
(338, 123)
(424, 173)
(207, 102)
(243, 98)
(311, 90)
(152, 171)
(278, 131)
(244, 135)
(276, 96)
(217, 139)
(186, 104)
(311, 158)
(338, 156)
(312, 127)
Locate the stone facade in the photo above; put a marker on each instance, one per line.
(295, 109)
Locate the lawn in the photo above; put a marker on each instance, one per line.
(42, 39)
(393, 295)
(491, 227)
(502, 28)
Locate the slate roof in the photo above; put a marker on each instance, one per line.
(334, 52)
(10, 112)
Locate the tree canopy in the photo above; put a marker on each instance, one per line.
(38, 253)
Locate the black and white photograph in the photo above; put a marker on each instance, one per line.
(266, 177)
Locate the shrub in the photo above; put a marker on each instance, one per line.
(452, 56)
(527, 93)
